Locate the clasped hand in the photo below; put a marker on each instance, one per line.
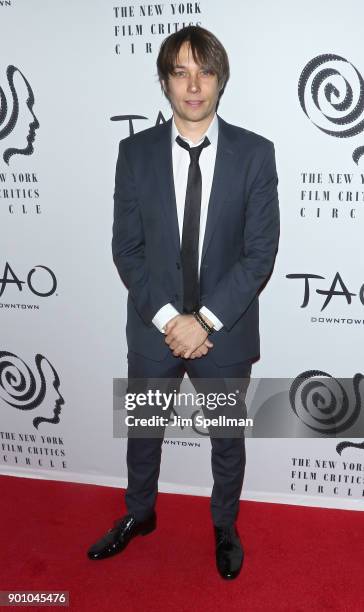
(186, 337)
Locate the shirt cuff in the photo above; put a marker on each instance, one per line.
(164, 314)
(210, 315)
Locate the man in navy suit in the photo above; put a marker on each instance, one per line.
(196, 225)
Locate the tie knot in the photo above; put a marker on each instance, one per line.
(194, 152)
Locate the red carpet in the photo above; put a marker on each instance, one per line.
(296, 559)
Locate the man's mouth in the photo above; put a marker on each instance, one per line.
(194, 103)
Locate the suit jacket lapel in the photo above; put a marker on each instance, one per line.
(162, 159)
(221, 182)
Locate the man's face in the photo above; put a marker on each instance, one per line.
(192, 89)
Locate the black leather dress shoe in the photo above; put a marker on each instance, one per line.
(117, 538)
(229, 552)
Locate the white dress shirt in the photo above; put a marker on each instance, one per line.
(181, 162)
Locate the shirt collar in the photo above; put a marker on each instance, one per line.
(211, 133)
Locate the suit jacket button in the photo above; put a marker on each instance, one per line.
(178, 265)
(176, 296)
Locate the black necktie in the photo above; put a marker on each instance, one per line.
(191, 227)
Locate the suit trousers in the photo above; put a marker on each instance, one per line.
(227, 454)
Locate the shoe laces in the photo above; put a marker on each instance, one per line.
(123, 522)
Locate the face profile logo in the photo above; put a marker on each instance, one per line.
(343, 445)
(18, 122)
(24, 389)
(331, 94)
(321, 402)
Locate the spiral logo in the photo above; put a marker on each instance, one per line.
(331, 94)
(324, 405)
(18, 385)
(24, 390)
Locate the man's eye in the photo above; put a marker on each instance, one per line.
(206, 71)
(179, 74)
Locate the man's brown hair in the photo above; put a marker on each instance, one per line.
(207, 51)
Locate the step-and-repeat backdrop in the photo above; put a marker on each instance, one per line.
(75, 78)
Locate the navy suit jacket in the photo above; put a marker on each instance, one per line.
(239, 247)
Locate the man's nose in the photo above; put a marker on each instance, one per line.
(194, 83)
